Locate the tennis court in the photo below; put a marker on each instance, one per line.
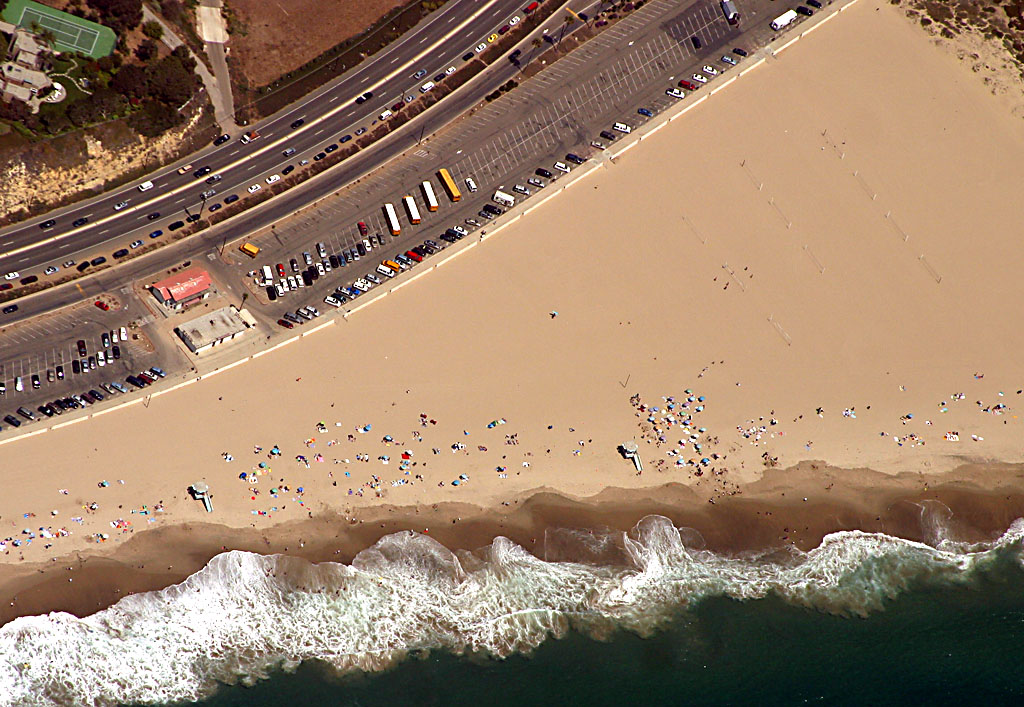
(70, 33)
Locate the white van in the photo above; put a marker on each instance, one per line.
(426, 87)
(145, 186)
(622, 128)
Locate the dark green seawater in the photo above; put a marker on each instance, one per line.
(934, 644)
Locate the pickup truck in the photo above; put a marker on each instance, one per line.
(249, 137)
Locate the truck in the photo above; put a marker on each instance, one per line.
(249, 249)
(732, 15)
(504, 199)
(249, 137)
(784, 20)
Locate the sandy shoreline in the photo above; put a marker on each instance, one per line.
(762, 520)
(752, 306)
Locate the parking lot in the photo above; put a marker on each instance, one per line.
(562, 109)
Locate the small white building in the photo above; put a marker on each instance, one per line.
(213, 328)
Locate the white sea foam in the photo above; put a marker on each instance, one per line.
(244, 614)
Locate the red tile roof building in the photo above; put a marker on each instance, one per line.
(182, 289)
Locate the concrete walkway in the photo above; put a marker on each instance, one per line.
(214, 31)
(223, 106)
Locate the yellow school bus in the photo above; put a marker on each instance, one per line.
(449, 185)
(249, 249)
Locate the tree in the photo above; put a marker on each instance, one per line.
(154, 119)
(171, 82)
(131, 81)
(153, 29)
(119, 15)
(146, 50)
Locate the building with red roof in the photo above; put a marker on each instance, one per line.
(183, 289)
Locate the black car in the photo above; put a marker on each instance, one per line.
(333, 260)
(80, 221)
(319, 156)
(154, 216)
(12, 421)
(439, 78)
(492, 209)
(192, 218)
(608, 135)
(803, 10)
(331, 148)
(380, 239)
(47, 224)
(420, 251)
(307, 278)
(361, 249)
(365, 97)
(105, 340)
(76, 367)
(815, 4)
(345, 139)
(213, 179)
(83, 266)
(116, 350)
(202, 172)
(575, 159)
(120, 253)
(60, 373)
(222, 139)
(298, 123)
(215, 207)
(10, 309)
(29, 279)
(95, 262)
(96, 394)
(271, 293)
(739, 52)
(541, 172)
(695, 41)
(288, 170)
(231, 199)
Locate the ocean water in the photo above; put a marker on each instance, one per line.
(604, 617)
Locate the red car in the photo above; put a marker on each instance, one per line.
(414, 256)
(102, 305)
(286, 324)
(363, 230)
(280, 270)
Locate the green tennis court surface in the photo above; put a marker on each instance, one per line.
(70, 33)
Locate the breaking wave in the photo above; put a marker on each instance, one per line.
(245, 614)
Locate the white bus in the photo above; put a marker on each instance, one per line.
(504, 199)
(392, 217)
(428, 194)
(410, 208)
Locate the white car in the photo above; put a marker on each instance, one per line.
(273, 178)
(449, 71)
(470, 184)
(514, 21)
(710, 70)
(480, 47)
(12, 276)
(362, 285)
(254, 188)
(120, 205)
(320, 269)
(700, 78)
(136, 244)
(593, 143)
(728, 60)
(279, 287)
(332, 300)
(372, 278)
(101, 359)
(385, 115)
(50, 270)
(562, 167)
(460, 230)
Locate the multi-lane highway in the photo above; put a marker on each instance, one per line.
(436, 44)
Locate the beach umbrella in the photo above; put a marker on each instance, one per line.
(243, 475)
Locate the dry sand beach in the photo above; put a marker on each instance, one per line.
(825, 254)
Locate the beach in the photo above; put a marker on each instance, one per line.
(796, 299)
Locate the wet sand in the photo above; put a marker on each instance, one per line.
(773, 514)
(766, 271)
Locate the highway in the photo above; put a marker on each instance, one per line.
(561, 109)
(435, 44)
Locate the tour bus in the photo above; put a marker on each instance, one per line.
(410, 208)
(504, 199)
(449, 185)
(784, 20)
(428, 194)
(249, 249)
(392, 217)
